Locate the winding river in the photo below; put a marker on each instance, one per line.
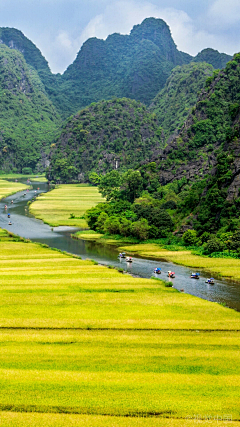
(24, 224)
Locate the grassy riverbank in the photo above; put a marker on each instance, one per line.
(225, 267)
(8, 188)
(66, 201)
(85, 341)
(35, 177)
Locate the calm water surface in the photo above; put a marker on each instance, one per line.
(25, 225)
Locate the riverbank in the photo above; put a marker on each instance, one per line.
(19, 176)
(66, 205)
(90, 341)
(56, 208)
(223, 267)
(8, 188)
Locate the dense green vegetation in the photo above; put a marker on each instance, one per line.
(28, 120)
(107, 135)
(213, 57)
(196, 177)
(202, 163)
(134, 66)
(174, 102)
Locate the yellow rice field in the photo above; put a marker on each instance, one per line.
(84, 344)
(7, 188)
(11, 419)
(55, 207)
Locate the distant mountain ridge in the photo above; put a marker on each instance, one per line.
(134, 66)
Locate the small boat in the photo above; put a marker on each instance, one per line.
(157, 270)
(129, 259)
(171, 274)
(195, 275)
(210, 281)
(122, 255)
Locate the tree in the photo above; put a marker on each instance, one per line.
(110, 184)
(112, 225)
(190, 237)
(140, 229)
(132, 185)
(125, 227)
(214, 245)
(94, 178)
(100, 223)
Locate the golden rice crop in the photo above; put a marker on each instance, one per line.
(85, 340)
(56, 206)
(12, 419)
(7, 188)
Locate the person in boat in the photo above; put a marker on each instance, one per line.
(171, 274)
(210, 281)
(8, 215)
(195, 275)
(157, 270)
(9, 223)
(5, 206)
(12, 201)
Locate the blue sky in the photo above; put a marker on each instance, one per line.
(59, 27)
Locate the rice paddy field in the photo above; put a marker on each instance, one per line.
(7, 188)
(82, 344)
(56, 207)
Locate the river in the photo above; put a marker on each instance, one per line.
(25, 225)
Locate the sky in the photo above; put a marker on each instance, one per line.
(60, 27)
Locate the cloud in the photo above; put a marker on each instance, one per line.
(225, 13)
(122, 15)
(59, 28)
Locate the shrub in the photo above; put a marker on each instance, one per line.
(140, 229)
(190, 237)
(214, 245)
(112, 225)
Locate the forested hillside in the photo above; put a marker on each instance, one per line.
(200, 169)
(192, 187)
(28, 120)
(135, 66)
(173, 103)
(213, 57)
(115, 134)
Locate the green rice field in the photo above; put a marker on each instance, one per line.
(8, 188)
(56, 207)
(83, 344)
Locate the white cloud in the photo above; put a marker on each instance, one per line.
(122, 15)
(224, 12)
